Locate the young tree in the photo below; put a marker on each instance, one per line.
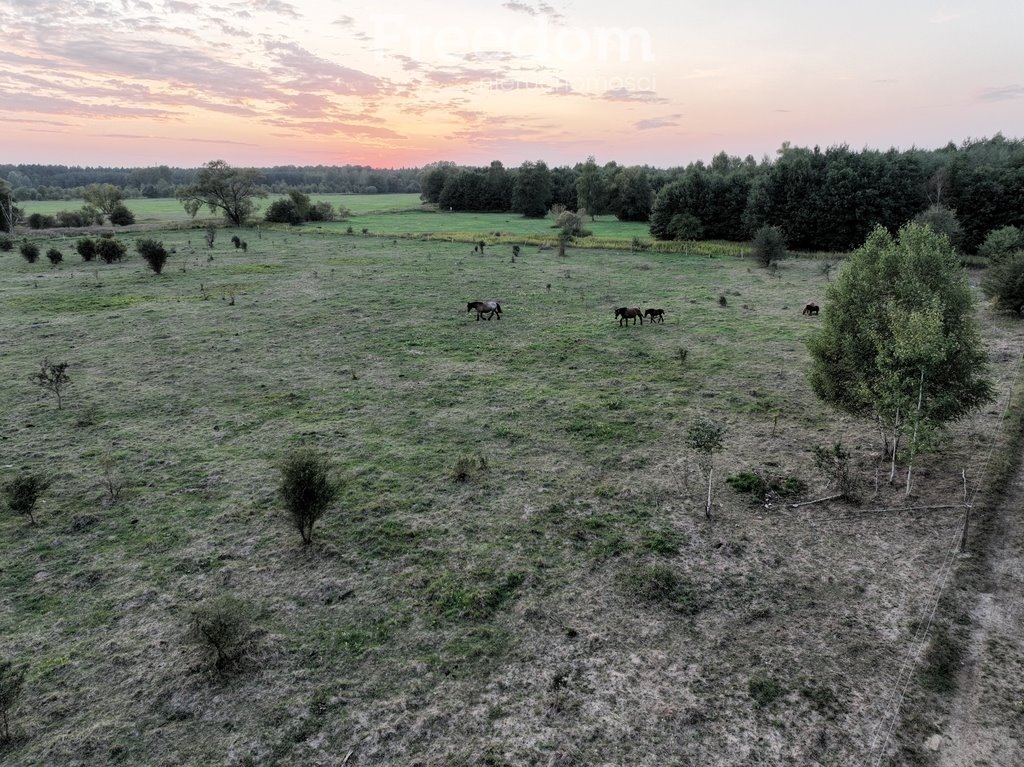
(768, 245)
(1002, 243)
(153, 252)
(705, 437)
(224, 625)
(22, 493)
(9, 214)
(53, 376)
(307, 489)
(1004, 282)
(898, 340)
(570, 226)
(218, 186)
(942, 220)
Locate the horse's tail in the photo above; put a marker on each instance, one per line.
(497, 307)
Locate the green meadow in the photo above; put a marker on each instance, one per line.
(402, 215)
(518, 569)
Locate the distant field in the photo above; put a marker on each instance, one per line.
(566, 604)
(402, 215)
(169, 210)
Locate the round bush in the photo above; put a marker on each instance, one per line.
(29, 251)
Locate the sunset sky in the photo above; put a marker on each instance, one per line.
(400, 83)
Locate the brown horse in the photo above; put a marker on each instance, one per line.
(810, 309)
(490, 308)
(656, 315)
(625, 314)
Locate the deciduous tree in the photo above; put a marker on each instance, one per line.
(592, 189)
(218, 186)
(898, 341)
(104, 197)
(531, 192)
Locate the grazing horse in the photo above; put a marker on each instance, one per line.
(625, 314)
(656, 315)
(490, 308)
(810, 309)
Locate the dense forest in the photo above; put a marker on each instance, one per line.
(820, 199)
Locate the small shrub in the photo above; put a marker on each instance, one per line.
(836, 464)
(823, 699)
(22, 493)
(662, 585)
(322, 211)
(11, 682)
(153, 252)
(768, 245)
(349, 230)
(110, 250)
(472, 599)
(467, 467)
(747, 482)
(307, 489)
(1001, 243)
(40, 221)
(120, 215)
(365, 230)
(283, 211)
(1004, 282)
(85, 216)
(766, 488)
(640, 244)
(942, 661)
(765, 690)
(6, 243)
(665, 543)
(723, 301)
(224, 625)
(29, 251)
(53, 377)
(54, 256)
(86, 248)
(211, 234)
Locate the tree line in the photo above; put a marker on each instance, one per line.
(61, 182)
(827, 200)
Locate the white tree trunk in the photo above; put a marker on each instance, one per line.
(895, 445)
(707, 507)
(913, 439)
